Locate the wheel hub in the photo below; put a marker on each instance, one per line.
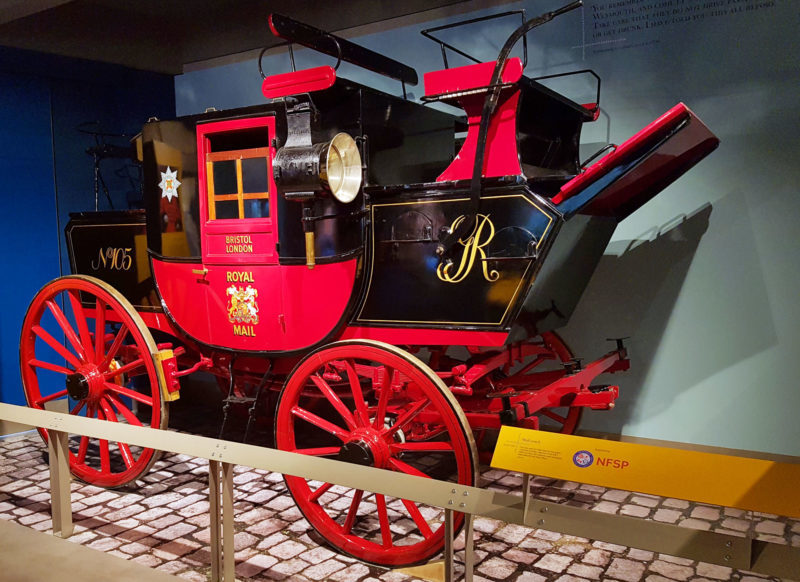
(366, 446)
(85, 383)
(357, 452)
(77, 386)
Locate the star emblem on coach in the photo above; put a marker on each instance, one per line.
(169, 184)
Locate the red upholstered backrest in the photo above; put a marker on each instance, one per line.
(304, 81)
(469, 77)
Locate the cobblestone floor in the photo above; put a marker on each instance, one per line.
(164, 524)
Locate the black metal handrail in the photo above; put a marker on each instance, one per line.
(443, 45)
(570, 73)
(291, 55)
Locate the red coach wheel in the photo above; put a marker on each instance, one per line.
(373, 404)
(83, 342)
(563, 419)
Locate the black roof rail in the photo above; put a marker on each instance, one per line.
(337, 47)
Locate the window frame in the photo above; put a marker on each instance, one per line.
(264, 229)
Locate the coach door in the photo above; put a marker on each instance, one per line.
(239, 232)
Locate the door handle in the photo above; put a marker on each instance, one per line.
(202, 272)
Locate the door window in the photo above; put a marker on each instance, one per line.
(238, 184)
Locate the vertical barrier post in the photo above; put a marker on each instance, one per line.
(215, 520)
(60, 495)
(220, 485)
(228, 561)
(448, 544)
(526, 492)
(469, 547)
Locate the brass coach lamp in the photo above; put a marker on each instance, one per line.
(303, 172)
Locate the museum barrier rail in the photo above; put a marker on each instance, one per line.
(716, 548)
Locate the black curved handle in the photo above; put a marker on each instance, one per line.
(489, 105)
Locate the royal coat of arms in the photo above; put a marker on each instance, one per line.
(242, 305)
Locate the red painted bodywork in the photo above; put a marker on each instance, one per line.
(305, 81)
(160, 321)
(285, 307)
(501, 158)
(297, 307)
(469, 77)
(594, 108)
(667, 163)
(315, 300)
(427, 337)
(183, 295)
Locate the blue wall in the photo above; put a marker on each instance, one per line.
(45, 173)
(27, 212)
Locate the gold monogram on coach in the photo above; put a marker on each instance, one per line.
(481, 235)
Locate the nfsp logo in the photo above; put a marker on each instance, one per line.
(613, 463)
(585, 459)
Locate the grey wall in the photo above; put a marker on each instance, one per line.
(704, 278)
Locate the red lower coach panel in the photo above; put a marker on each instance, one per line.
(256, 307)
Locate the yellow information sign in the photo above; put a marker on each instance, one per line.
(730, 481)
